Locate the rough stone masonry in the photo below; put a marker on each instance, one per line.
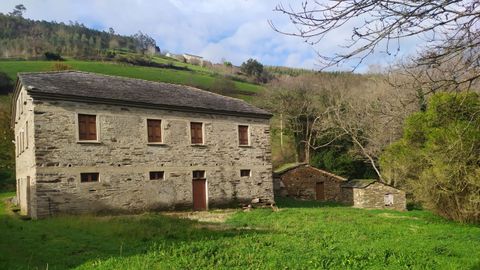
(51, 158)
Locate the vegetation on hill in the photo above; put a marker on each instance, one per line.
(301, 235)
(25, 38)
(438, 157)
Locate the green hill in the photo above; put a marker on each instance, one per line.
(197, 78)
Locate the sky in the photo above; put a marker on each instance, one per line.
(233, 30)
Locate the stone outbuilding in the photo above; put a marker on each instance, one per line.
(370, 193)
(302, 181)
(89, 143)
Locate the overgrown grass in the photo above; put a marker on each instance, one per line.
(198, 77)
(302, 235)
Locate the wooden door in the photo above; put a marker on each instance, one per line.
(199, 194)
(320, 191)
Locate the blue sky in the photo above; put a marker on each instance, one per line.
(234, 30)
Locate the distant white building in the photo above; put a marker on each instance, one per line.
(193, 59)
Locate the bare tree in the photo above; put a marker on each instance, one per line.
(450, 30)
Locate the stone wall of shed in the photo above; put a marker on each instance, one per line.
(373, 196)
(123, 158)
(301, 183)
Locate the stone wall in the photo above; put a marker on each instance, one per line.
(301, 183)
(123, 158)
(24, 151)
(373, 196)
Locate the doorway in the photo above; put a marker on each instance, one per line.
(199, 188)
(320, 191)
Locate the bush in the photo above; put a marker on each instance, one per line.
(50, 56)
(6, 83)
(438, 156)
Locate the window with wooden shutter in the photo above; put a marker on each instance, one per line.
(196, 131)
(243, 135)
(154, 131)
(89, 177)
(87, 127)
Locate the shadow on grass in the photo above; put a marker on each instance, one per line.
(70, 241)
(283, 202)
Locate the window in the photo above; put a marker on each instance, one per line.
(26, 135)
(156, 175)
(87, 127)
(198, 174)
(17, 145)
(245, 173)
(89, 177)
(154, 131)
(243, 135)
(196, 131)
(388, 199)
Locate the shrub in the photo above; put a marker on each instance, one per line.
(438, 156)
(6, 83)
(50, 56)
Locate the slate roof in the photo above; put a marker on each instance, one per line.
(92, 87)
(292, 166)
(358, 183)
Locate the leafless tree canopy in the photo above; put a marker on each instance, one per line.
(449, 28)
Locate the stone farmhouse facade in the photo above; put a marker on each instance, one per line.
(372, 194)
(88, 143)
(305, 182)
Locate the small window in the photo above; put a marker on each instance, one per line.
(388, 199)
(26, 135)
(243, 135)
(245, 173)
(196, 131)
(156, 175)
(154, 131)
(198, 174)
(89, 177)
(87, 127)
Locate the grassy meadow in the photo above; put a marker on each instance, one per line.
(301, 235)
(199, 77)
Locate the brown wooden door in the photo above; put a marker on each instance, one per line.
(320, 191)
(199, 195)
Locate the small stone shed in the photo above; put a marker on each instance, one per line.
(370, 193)
(303, 181)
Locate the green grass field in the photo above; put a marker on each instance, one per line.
(302, 235)
(198, 77)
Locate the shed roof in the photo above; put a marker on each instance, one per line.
(292, 166)
(359, 183)
(98, 88)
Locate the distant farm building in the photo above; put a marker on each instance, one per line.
(305, 182)
(370, 193)
(193, 59)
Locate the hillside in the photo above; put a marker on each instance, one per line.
(24, 38)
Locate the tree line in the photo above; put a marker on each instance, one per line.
(31, 39)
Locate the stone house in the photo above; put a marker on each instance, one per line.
(193, 59)
(305, 182)
(88, 143)
(370, 193)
